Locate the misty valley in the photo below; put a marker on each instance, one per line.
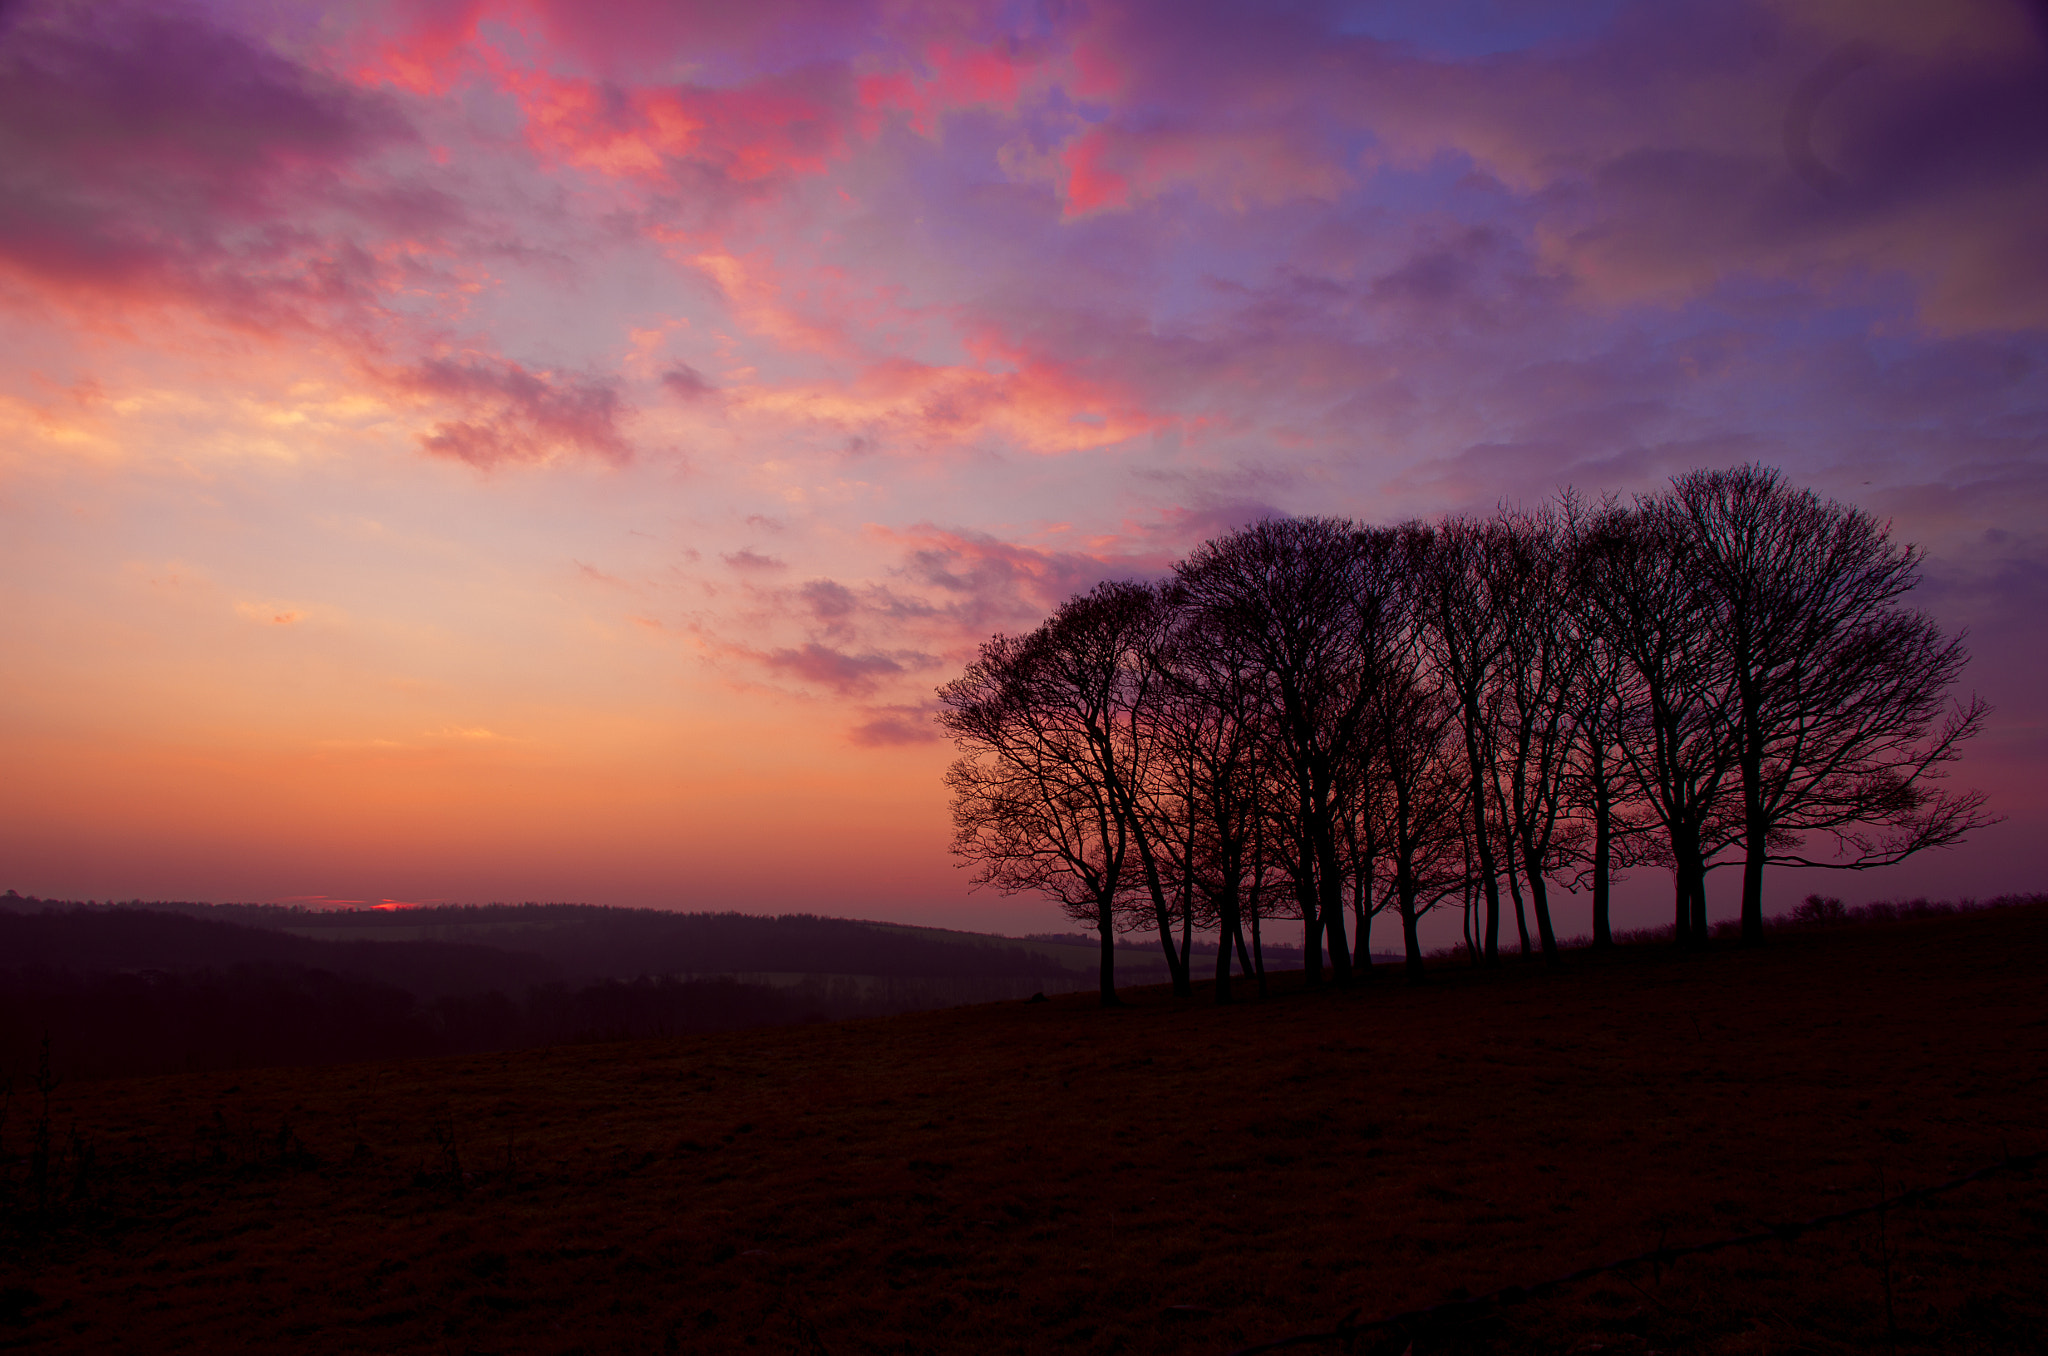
(175, 987)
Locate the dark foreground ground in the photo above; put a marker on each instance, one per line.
(1048, 1177)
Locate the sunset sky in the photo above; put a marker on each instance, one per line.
(535, 449)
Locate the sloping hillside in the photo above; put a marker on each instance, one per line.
(1171, 1177)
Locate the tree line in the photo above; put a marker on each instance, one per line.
(1313, 720)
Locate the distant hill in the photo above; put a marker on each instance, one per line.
(128, 939)
(175, 986)
(479, 947)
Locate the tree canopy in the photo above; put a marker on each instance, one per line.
(1309, 713)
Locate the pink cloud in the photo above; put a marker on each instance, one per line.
(830, 603)
(1091, 184)
(642, 37)
(509, 413)
(844, 673)
(1021, 390)
(1117, 166)
(687, 383)
(955, 76)
(730, 139)
(895, 726)
(422, 46)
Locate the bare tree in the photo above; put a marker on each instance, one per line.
(1287, 600)
(1545, 660)
(1605, 802)
(1644, 590)
(1124, 627)
(1028, 807)
(1060, 741)
(1365, 808)
(1463, 632)
(1409, 743)
(1216, 731)
(1837, 693)
(1418, 760)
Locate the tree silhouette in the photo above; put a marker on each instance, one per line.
(1410, 714)
(1216, 726)
(1546, 659)
(1054, 728)
(1463, 630)
(1288, 601)
(1835, 691)
(1646, 594)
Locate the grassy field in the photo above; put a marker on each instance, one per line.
(1046, 1176)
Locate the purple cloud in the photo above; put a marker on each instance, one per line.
(145, 150)
(687, 383)
(848, 675)
(989, 582)
(512, 414)
(895, 726)
(829, 602)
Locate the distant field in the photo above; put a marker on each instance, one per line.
(1049, 1177)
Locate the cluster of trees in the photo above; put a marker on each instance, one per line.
(1310, 718)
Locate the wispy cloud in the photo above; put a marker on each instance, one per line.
(512, 414)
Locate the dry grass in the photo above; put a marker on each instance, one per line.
(1033, 1177)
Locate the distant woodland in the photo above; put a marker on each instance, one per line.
(1314, 721)
(166, 987)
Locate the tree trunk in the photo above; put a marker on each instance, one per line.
(1411, 942)
(1521, 918)
(1223, 965)
(1361, 932)
(1311, 909)
(1330, 889)
(1689, 881)
(1105, 925)
(1176, 960)
(1362, 961)
(1755, 827)
(1226, 929)
(1756, 832)
(1258, 954)
(1539, 899)
(1483, 846)
(1603, 860)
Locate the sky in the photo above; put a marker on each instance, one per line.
(523, 449)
